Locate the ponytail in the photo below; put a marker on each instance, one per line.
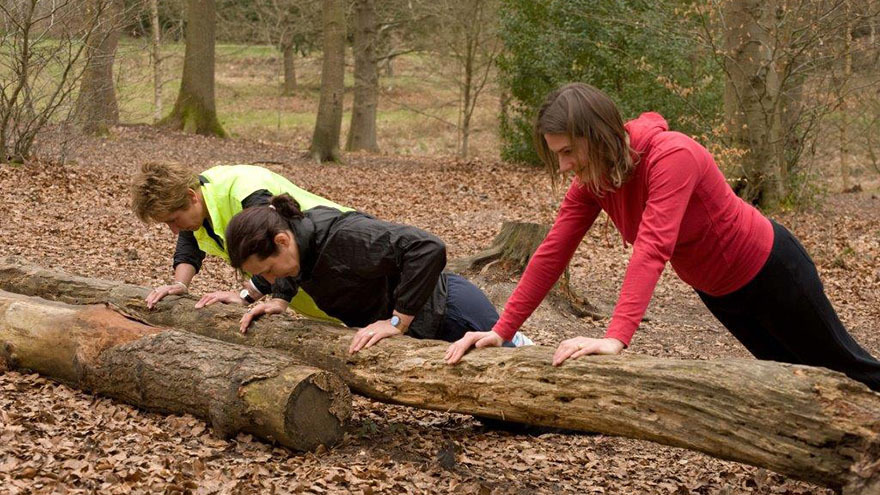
(252, 232)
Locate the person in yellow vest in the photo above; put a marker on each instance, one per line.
(197, 207)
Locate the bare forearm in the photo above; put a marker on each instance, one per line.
(184, 273)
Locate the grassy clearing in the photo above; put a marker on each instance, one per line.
(417, 105)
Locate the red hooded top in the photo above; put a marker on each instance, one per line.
(677, 207)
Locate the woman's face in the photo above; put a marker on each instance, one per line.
(189, 217)
(284, 263)
(566, 154)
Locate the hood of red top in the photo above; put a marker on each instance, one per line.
(644, 128)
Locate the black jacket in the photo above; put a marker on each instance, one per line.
(187, 250)
(359, 269)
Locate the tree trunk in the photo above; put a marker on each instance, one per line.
(195, 110)
(751, 98)
(96, 109)
(465, 111)
(289, 70)
(328, 124)
(511, 250)
(842, 95)
(156, 56)
(808, 423)
(236, 388)
(362, 131)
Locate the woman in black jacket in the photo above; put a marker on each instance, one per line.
(384, 278)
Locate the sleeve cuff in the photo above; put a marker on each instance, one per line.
(620, 334)
(506, 334)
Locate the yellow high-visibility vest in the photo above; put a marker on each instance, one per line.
(227, 187)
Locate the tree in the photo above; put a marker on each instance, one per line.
(785, 63)
(290, 25)
(381, 33)
(805, 422)
(156, 59)
(38, 76)
(644, 55)
(362, 131)
(195, 110)
(96, 108)
(467, 35)
(328, 123)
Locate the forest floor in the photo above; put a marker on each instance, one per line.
(73, 215)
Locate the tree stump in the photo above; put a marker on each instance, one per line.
(236, 388)
(510, 252)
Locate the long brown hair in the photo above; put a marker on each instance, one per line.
(253, 230)
(581, 111)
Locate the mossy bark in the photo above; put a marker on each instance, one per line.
(195, 110)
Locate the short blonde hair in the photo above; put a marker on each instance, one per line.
(160, 189)
(581, 111)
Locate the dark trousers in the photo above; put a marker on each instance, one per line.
(467, 309)
(783, 315)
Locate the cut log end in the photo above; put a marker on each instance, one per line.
(318, 409)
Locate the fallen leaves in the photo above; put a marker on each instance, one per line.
(75, 217)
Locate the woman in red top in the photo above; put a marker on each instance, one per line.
(667, 197)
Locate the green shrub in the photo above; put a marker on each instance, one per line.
(644, 54)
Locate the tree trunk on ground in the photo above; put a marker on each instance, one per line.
(751, 99)
(195, 110)
(511, 250)
(236, 388)
(96, 109)
(289, 70)
(362, 131)
(328, 123)
(808, 423)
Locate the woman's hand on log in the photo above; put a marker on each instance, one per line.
(223, 296)
(272, 306)
(581, 346)
(458, 348)
(159, 293)
(372, 333)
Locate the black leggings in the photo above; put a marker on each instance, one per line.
(783, 315)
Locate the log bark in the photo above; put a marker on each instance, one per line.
(808, 423)
(236, 388)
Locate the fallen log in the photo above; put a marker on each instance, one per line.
(236, 388)
(808, 423)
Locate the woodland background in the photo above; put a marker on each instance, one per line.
(416, 112)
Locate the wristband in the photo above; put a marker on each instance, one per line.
(181, 283)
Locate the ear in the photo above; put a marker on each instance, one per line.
(192, 195)
(282, 240)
